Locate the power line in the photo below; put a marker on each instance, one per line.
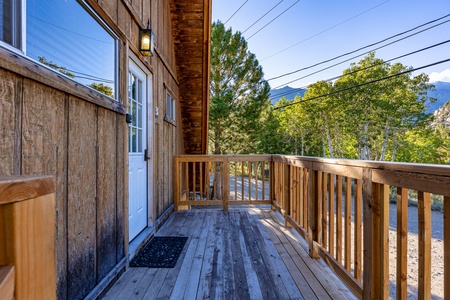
(263, 16)
(351, 58)
(235, 12)
(370, 45)
(273, 19)
(323, 31)
(363, 69)
(364, 84)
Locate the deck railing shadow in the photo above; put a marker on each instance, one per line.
(340, 207)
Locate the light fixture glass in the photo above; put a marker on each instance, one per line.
(146, 41)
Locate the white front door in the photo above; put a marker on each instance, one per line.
(137, 161)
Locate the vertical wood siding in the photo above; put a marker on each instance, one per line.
(48, 127)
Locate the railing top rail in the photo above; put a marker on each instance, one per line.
(443, 170)
(307, 161)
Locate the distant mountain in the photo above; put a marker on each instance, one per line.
(442, 94)
(287, 91)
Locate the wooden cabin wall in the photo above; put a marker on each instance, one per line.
(46, 129)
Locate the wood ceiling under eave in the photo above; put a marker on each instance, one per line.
(191, 27)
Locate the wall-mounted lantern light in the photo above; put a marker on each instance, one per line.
(146, 41)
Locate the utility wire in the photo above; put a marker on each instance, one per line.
(235, 12)
(273, 19)
(364, 53)
(363, 69)
(263, 16)
(364, 84)
(370, 45)
(323, 31)
(89, 76)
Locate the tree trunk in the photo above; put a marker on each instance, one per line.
(386, 137)
(365, 147)
(330, 143)
(395, 146)
(303, 145)
(217, 134)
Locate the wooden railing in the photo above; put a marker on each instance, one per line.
(27, 237)
(222, 180)
(341, 207)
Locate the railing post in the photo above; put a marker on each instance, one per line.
(446, 246)
(368, 234)
(272, 183)
(313, 215)
(226, 182)
(287, 194)
(376, 238)
(177, 183)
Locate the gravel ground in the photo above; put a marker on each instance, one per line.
(437, 253)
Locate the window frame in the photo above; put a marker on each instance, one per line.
(21, 28)
(170, 108)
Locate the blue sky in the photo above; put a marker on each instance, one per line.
(323, 29)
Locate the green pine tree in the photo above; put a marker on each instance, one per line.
(239, 94)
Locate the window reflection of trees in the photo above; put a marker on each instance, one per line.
(66, 37)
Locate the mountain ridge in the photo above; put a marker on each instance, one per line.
(441, 93)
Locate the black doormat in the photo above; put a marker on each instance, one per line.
(160, 252)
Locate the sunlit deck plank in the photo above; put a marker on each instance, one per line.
(232, 254)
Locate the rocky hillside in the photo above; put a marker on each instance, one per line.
(442, 115)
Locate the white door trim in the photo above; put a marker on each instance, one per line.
(133, 60)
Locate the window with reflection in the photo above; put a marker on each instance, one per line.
(66, 36)
(10, 22)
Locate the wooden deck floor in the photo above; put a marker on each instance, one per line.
(239, 254)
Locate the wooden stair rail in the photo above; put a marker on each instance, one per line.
(27, 235)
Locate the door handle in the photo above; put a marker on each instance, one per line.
(146, 157)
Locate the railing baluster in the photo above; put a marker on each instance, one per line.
(306, 187)
(348, 222)
(324, 211)
(226, 183)
(215, 180)
(358, 230)
(208, 180)
(424, 211)
(242, 180)
(331, 214)
(313, 212)
(318, 214)
(384, 241)
(256, 181)
(402, 242)
(194, 181)
(187, 180)
(263, 173)
(202, 188)
(339, 218)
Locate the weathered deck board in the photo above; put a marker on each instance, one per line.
(239, 254)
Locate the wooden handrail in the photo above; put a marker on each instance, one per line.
(318, 197)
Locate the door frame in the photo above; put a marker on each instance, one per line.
(149, 106)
